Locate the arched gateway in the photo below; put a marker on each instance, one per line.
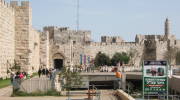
(58, 61)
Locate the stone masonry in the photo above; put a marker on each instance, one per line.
(44, 49)
(7, 37)
(76, 47)
(19, 42)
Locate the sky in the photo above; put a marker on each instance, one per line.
(124, 18)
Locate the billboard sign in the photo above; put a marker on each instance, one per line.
(155, 77)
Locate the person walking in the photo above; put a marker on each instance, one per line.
(118, 78)
(39, 72)
(21, 76)
(12, 77)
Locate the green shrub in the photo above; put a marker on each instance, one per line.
(37, 93)
(34, 74)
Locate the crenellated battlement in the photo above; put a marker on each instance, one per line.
(14, 4)
(64, 29)
(113, 39)
(20, 4)
(50, 27)
(6, 4)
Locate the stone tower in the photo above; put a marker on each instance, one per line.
(23, 25)
(167, 27)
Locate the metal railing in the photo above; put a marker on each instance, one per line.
(96, 95)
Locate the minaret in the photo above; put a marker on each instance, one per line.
(167, 28)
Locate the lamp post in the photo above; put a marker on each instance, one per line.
(70, 49)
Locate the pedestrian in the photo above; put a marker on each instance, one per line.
(21, 76)
(43, 71)
(12, 77)
(46, 72)
(50, 73)
(25, 74)
(118, 78)
(39, 72)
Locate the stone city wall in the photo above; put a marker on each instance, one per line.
(161, 50)
(69, 53)
(7, 35)
(22, 33)
(111, 48)
(111, 39)
(27, 39)
(177, 44)
(44, 49)
(62, 35)
(35, 48)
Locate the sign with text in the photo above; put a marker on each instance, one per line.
(155, 77)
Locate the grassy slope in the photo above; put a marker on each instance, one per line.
(5, 83)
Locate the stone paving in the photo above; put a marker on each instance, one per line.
(42, 98)
(6, 92)
(105, 95)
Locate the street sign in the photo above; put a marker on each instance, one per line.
(155, 80)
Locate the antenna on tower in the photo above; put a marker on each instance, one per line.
(77, 21)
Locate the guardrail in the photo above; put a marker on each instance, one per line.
(94, 93)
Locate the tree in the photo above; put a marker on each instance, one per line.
(101, 59)
(72, 79)
(120, 57)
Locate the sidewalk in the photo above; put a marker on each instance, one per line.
(6, 92)
(42, 98)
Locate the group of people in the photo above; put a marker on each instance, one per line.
(43, 71)
(16, 79)
(93, 69)
(106, 69)
(46, 72)
(109, 68)
(18, 75)
(82, 69)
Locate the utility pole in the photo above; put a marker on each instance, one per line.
(77, 20)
